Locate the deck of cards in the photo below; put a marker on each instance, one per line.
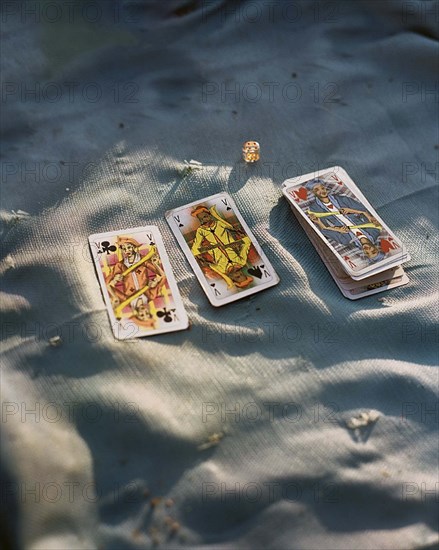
(141, 295)
(361, 253)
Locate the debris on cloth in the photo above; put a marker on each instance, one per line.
(55, 341)
(212, 440)
(20, 214)
(9, 262)
(189, 167)
(362, 420)
(385, 301)
(154, 502)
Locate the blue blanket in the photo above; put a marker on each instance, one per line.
(240, 432)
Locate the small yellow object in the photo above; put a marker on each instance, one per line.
(251, 151)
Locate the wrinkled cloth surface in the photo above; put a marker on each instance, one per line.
(237, 433)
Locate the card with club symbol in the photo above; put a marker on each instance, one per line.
(221, 249)
(137, 282)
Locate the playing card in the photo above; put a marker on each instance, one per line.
(221, 249)
(344, 221)
(137, 282)
(385, 280)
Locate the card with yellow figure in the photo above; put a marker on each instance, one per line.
(221, 249)
(137, 282)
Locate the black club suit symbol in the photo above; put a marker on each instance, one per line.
(107, 247)
(166, 314)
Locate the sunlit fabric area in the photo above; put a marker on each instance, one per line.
(291, 419)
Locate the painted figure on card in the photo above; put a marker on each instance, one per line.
(221, 247)
(344, 220)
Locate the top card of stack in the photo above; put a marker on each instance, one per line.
(338, 213)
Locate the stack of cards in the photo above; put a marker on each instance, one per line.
(360, 251)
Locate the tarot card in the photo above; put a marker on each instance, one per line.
(221, 249)
(338, 213)
(137, 282)
(385, 280)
